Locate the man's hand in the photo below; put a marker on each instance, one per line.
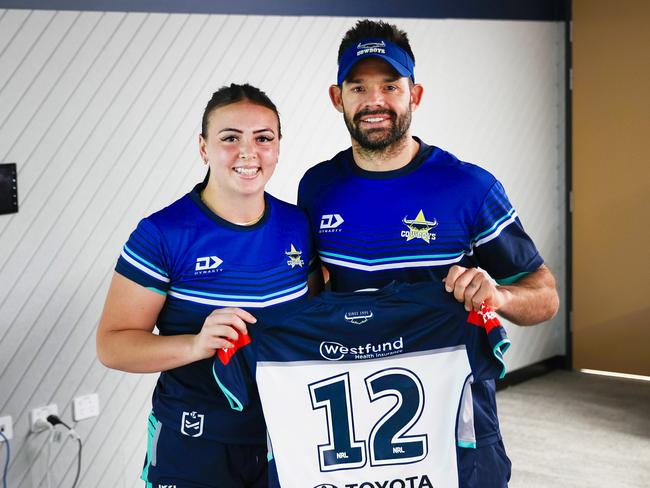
(220, 329)
(530, 300)
(473, 286)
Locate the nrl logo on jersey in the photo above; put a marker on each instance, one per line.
(358, 318)
(192, 424)
(295, 257)
(419, 228)
(207, 264)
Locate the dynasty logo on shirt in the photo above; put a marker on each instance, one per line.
(295, 257)
(330, 223)
(206, 264)
(419, 228)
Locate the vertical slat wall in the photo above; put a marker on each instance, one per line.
(101, 112)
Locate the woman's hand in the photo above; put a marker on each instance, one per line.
(220, 329)
(126, 341)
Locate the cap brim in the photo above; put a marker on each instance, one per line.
(397, 66)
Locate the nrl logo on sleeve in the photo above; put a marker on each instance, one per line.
(358, 318)
(419, 228)
(295, 257)
(207, 264)
(192, 424)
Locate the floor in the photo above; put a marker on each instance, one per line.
(575, 430)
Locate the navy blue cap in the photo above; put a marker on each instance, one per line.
(390, 52)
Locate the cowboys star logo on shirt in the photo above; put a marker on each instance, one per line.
(295, 257)
(419, 228)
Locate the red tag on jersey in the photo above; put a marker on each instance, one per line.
(485, 318)
(224, 355)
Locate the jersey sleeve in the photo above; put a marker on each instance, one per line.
(143, 258)
(487, 343)
(499, 242)
(314, 260)
(303, 191)
(306, 194)
(232, 373)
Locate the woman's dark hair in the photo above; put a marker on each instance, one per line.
(227, 95)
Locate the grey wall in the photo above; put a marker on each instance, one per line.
(101, 113)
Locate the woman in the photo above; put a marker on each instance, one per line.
(187, 269)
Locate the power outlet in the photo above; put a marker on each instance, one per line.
(6, 427)
(41, 413)
(85, 407)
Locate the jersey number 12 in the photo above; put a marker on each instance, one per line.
(388, 442)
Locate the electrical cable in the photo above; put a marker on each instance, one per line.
(55, 420)
(48, 459)
(39, 426)
(6, 470)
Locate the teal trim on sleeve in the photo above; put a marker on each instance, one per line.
(269, 457)
(160, 292)
(140, 258)
(499, 350)
(235, 404)
(512, 279)
(503, 346)
(467, 444)
(495, 225)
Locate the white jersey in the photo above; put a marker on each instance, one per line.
(365, 390)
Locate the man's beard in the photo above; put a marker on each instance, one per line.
(380, 138)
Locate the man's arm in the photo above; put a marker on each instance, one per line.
(529, 301)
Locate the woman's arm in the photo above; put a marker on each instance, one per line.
(125, 338)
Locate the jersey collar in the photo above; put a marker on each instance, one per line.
(195, 195)
(422, 155)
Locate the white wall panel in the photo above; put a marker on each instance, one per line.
(101, 112)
